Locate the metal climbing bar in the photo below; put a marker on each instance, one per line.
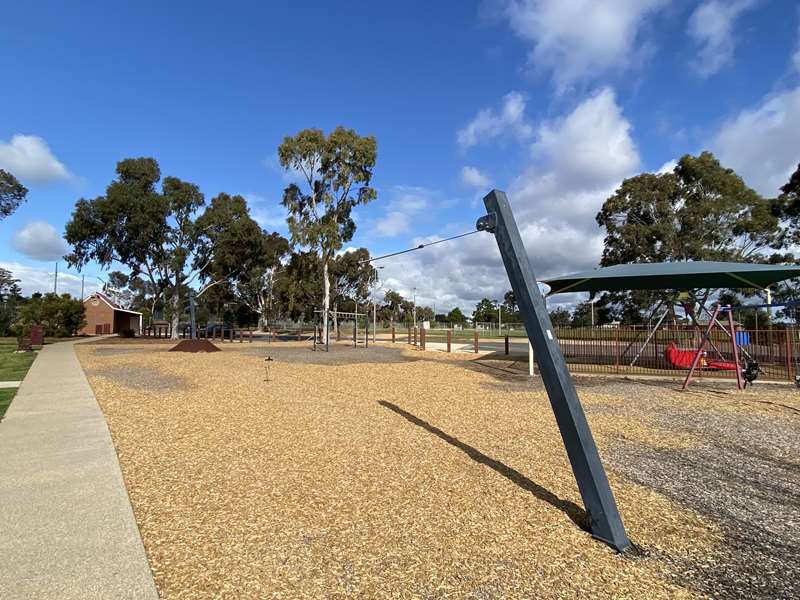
(605, 521)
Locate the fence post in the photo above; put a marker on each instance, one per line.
(393, 334)
(249, 336)
(422, 338)
(506, 345)
(415, 335)
(616, 350)
(300, 334)
(788, 341)
(475, 340)
(449, 338)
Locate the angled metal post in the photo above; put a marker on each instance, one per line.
(606, 523)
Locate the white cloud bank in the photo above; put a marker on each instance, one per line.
(762, 143)
(34, 279)
(575, 163)
(472, 177)
(40, 241)
(30, 159)
(406, 204)
(488, 124)
(711, 26)
(580, 39)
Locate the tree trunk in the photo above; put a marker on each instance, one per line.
(326, 300)
(336, 320)
(176, 315)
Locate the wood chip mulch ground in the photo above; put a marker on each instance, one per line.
(395, 473)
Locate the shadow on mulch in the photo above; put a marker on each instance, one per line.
(576, 514)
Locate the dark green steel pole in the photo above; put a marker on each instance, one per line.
(606, 523)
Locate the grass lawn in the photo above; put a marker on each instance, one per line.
(12, 368)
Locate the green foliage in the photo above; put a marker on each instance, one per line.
(12, 194)
(10, 299)
(394, 302)
(62, 316)
(699, 211)
(582, 315)
(485, 311)
(334, 166)
(560, 317)
(164, 235)
(352, 276)
(787, 207)
(337, 170)
(456, 317)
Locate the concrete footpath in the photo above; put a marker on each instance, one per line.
(66, 525)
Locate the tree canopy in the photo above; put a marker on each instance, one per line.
(169, 236)
(337, 171)
(12, 193)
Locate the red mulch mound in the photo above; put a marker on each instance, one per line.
(194, 346)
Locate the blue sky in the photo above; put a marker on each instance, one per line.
(553, 101)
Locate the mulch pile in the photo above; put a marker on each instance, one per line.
(194, 346)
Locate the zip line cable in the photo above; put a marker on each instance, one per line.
(420, 247)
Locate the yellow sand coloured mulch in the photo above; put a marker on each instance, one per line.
(405, 479)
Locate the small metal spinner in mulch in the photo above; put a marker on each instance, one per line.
(266, 367)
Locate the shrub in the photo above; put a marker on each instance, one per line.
(127, 333)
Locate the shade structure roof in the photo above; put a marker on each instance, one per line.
(673, 276)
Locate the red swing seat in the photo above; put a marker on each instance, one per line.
(682, 359)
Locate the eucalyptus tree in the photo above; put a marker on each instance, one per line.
(698, 211)
(255, 287)
(12, 193)
(169, 236)
(336, 171)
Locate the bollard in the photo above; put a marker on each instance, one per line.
(475, 340)
(393, 335)
(422, 338)
(506, 345)
(449, 339)
(409, 334)
(250, 336)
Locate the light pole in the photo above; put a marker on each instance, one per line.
(591, 306)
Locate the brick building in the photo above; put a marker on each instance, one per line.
(104, 316)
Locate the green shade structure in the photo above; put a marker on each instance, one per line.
(678, 276)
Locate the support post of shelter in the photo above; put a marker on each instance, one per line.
(606, 523)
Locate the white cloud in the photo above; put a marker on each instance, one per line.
(406, 202)
(711, 27)
(40, 241)
(33, 279)
(667, 167)
(580, 39)
(29, 158)
(391, 224)
(761, 143)
(488, 124)
(576, 162)
(472, 177)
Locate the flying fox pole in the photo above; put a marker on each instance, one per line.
(606, 523)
